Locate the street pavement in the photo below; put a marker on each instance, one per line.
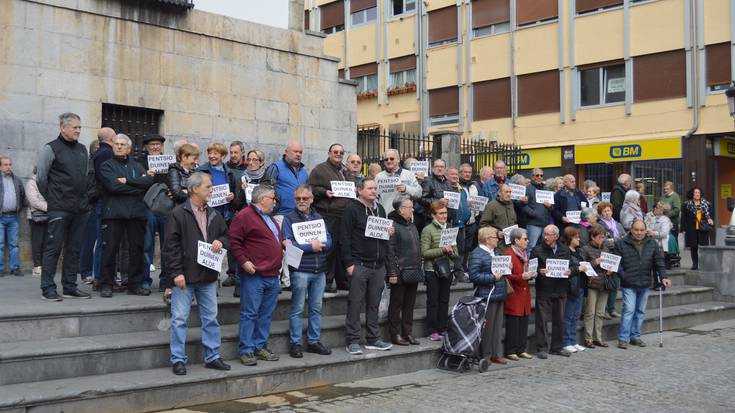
(693, 372)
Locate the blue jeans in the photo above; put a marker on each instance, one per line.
(206, 295)
(533, 233)
(155, 223)
(9, 231)
(634, 311)
(301, 284)
(89, 239)
(258, 300)
(572, 311)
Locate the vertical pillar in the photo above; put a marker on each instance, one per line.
(296, 15)
(450, 147)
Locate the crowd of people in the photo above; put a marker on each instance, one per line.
(391, 228)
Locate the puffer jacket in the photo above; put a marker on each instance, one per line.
(639, 270)
(430, 250)
(404, 247)
(313, 262)
(433, 190)
(176, 182)
(481, 275)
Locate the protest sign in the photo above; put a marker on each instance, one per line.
(448, 237)
(557, 268)
(506, 233)
(209, 259)
(420, 167)
(590, 271)
(533, 265)
(477, 203)
(343, 189)
(605, 196)
(219, 195)
(378, 227)
(545, 196)
(610, 262)
(293, 255)
(305, 232)
(453, 199)
(388, 184)
(517, 191)
(501, 264)
(574, 216)
(160, 163)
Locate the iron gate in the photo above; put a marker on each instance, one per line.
(372, 144)
(482, 152)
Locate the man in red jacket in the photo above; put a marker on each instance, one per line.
(257, 244)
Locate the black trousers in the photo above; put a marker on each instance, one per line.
(437, 302)
(65, 230)
(549, 309)
(113, 231)
(516, 334)
(39, 234)
(400, 309)
(335, 269)
(366, 289)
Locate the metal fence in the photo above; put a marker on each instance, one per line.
(372, 144)
(482, 152)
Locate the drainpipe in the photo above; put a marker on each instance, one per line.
(693, 38)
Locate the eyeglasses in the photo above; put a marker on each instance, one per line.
(407, 207)
(389, 159)
(304, 199)
(338, 152)
(442, 213)
(539, 175)
(253, 159)
(356, 162)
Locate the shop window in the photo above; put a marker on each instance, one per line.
(659, 76)
(491, 99)
(443, 26)
(530, 12)
(403, 7)
(538, 93)
(591, 6)
(602, 85)
(490, 17)
(332, 17)
(718, 66)
(444, 105)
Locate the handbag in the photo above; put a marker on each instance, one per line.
(411, 276)
(39, 216)
(704, 226)
(508, 286)
(441, 267)
(609, 283)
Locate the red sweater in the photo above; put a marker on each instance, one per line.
(252, 240)
(519, 303)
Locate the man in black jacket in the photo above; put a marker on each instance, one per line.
(188, 224)
(551, 294)
(124, 183)
(433, 190)
(617, 197)
(642, 266)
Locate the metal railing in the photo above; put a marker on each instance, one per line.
(373, 143)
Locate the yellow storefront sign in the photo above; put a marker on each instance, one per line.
(725, 191)
(540, 158)
(725, 147)
(669, 148)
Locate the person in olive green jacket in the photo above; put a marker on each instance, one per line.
(437, 287)
(500, 214)
(672, 199)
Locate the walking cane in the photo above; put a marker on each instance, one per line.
(660, 316)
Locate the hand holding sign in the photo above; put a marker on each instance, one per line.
(293, 256)
(208, 258)
(501, 264)
(574, 216)
(343, 189)
(160, 163)
(388, 184)
(556, 268)
(533, 265)
(610, 262)
(305, 232)
(448, 237)
(219, 195)
(545, 196)
(453, 199)
(587, 269)
(378, 228)
(477, 203)
(506, 233)
(517, 191)
(420, 167)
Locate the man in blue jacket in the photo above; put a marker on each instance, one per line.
(569, 198)
(309, 277)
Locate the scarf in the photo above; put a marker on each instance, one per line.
(255, 175)
(613, 228)
(703, 205)
(522, 254)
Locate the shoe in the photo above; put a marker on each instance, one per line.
(229, 282)
(17, 273)
(354, 349)
(622, 345)
(265, 355)
(589, 344)
(147, 285)
(435, 336)
(140, 291)
(580, 348)
(37, 271)
(88, 280)
(562, 353)
(152, 268)
(236, 293)
(600, 344)
(607, 316)
(330, 289)
(542, 355)
(570, 349)
(637, 342)
(615, 314)
(179, 368)
(248, 359)
(695, 267)
(295, 351)
(76, 294)
(498, 360)
(318, 348)
(512, 357)
(378, 345)
(106, 291)
(411, 340)
(398, 340)
(525, 355)
(217, 364)
(51, 296)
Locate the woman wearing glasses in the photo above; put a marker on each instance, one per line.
(254, 175)
(518, 304)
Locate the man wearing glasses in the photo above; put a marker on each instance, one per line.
(331, 208)
(537, 215)
(408, 185)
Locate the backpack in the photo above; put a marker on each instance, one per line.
(156, 198)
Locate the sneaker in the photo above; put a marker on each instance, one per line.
(570, 349)
(513, 357)
(248, 359)
(622, 345)
(607, 316)
(295, 351)
(147, 285)
(525, 355)
(435, 336)
(37, 271)
(580, 348)
(378, 345)
(106, 291)
(152, 268)
(51, 296)
(615, 314)
(354, 349)
(318, 348)
(76, 294)
(637, 342)
(562, 352)
(266, 355)
(88, 280)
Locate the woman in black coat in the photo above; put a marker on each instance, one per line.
(696, 222)
(179, 172)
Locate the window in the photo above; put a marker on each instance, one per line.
(490, 17)
(306, 20)
(659, 75)
(444, 105)
(530, 12)
(443, 26)
(364, 16)
(366, 76)
(402, 72)
(602, 85)
(538, 93)
(132, 121)
(403, 6)
(491, 30)
(332, 17)
(590, 6)
(718, 66)
(491, 99)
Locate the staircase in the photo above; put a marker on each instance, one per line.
(110, 355)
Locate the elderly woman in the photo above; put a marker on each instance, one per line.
(588, 219)
(631, 210)
(696, 222)
(593, 196)
(179, 172)
(404, 260)
(596, 300)
(659, 225)
(518, 305)
(489, 284)
(575, 294)
(438, 284)
(255, 174)
(613, 232)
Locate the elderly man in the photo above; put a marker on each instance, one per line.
(617, 197)
(468, 188)
(63, 181)
(257, 246)
(237, 166)
(189, 223)
(433, 189)
(485, 175)
(551, 293)
(331, 208)
(12, 200)
(641, 267)
(354, 167)
(491, 187)
(537, 215)
(124, 182)
(366, 261)
(568, 198)
(308, 278)
(500, 214)
(462, 216)
(407, 184)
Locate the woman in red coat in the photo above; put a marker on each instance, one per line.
(518, 304)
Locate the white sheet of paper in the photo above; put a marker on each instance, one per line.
(219, 195)
(517, 191)
(160, 163)
(501, 264)
(448, 237)
(506, 233)
(388, 184)
(557, 268)
(249, 191)
(305, 232)
(344, 189)
(574, 216)
(533, 265)
(209, 259)
(378, 227)
(610, 262)
(418, 167)
(590, 271)
(453, 199)
(543, 196)
(293, 255)
(605, 196)
(477, 203)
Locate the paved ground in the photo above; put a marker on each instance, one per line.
(694, 371)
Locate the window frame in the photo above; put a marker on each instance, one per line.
(362, 82)
(334, 29)
(444, 120)
(364, 13)
(602, 82)
(404, 12)
(493, 31)
(403, 76)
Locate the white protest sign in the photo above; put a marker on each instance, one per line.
(506, 233)
(343, 189)
(584, 204)
(574, 216)
(219, 195)
(610, 262)
(305, 232)
(606, 196)
(557, 268)
(293, 256)
(249, 192)
(453, 199)
(545, 196)
(590, 271)
(533, 265)
(477, 203)
(517, 191)
(160, 163)
(448, 237)
(501, 264)
(209, 259)
(378, 227)
(388, 184)
(420, 167)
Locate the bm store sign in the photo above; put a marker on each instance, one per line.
(669, 148)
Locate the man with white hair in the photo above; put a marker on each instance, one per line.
(491, 187)
(617, 197)
(568, 198)
(407, 184)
